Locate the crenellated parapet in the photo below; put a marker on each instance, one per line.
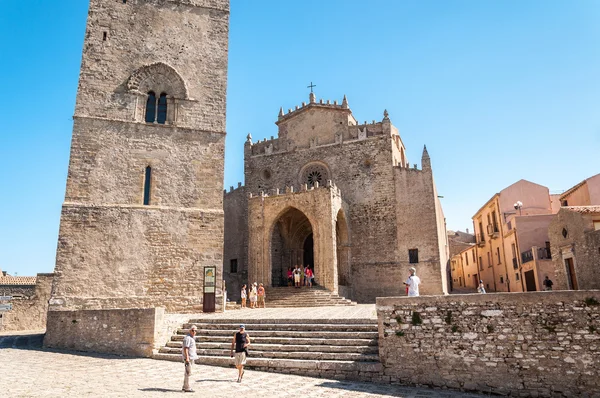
(337, 135)
(291, 190)
(233, 190)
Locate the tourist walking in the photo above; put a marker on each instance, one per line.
(548, 284)
(244, 295)
(253, 295)
(261, 296)
(240, 343)
(188, 352)
(290, 276)
(413, 283)
(297, 274)
(481, 288)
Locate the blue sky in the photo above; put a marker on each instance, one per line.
(498, 90)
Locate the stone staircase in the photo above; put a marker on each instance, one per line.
(303, 297)
(332, 348)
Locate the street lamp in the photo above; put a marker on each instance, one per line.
(518, 206)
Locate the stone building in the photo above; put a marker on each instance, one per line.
(143, 211)
(575, 241)
(339, 196)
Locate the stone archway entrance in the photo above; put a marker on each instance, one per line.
(281, 227)
(291, 244)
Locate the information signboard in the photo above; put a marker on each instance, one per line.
(5, 307)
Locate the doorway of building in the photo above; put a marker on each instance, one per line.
(291, 244)
(571, 277)
(530, 281)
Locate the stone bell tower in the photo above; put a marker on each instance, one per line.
(143, 210)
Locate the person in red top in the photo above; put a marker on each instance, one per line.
(308, 275)
(261, 296)
(290, 276)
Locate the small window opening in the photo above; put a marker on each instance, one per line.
(565, 233)
(233, 266)
(151, 107)
(162, 109)
(413, 256)
(517, 276)
(104, 36)
(147, 181)
(501, 279)
(124, 1)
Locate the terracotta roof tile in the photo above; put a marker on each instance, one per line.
(18, 280)
(584, 209)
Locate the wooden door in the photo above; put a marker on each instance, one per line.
(571, 277)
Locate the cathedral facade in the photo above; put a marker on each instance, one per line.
(339, 196)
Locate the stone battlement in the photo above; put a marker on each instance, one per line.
(303, 188)
(313, 104)
(358, 132)
(234, 190)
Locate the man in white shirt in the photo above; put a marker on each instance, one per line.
(188, 352)
(413, 283)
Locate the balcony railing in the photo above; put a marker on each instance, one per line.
(527, 256)
(493, 230)
(543, 253)
(480, 240)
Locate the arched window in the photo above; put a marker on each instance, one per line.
(147, 181)
(151, 107)
(162, 109)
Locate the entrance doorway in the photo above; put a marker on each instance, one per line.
(571, 277)
(291, 244)
(530, 281)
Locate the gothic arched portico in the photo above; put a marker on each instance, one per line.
(279, 227)
(290, 235)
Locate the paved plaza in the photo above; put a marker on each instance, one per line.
(41, 373)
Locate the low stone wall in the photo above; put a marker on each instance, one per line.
(131, 332)
(518, 344)
(29, 305)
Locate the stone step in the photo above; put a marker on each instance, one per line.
(365, 349)
(308, 355)
(286, 340)
(285, 333)
(283, 326)
(279, 321)
(323, 368)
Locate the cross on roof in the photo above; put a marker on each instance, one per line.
(311, 86)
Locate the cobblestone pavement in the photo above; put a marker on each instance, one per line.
(41, 373)
(362, 311)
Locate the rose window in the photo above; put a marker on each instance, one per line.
(315, 173)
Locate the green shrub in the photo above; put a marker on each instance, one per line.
(416, 318)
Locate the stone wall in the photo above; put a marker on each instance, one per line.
(235, 206)
(29, 306)
(517, 344)
(115, 257)
(130, 332)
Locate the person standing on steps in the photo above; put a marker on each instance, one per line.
(240, 343)
(297, 274)
(244, 295)
(413, 283)
(261, 296)
(308, 275)
(188, 352)
(253, 296)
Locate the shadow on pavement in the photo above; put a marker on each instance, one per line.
(155, 389)
(22, 341)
